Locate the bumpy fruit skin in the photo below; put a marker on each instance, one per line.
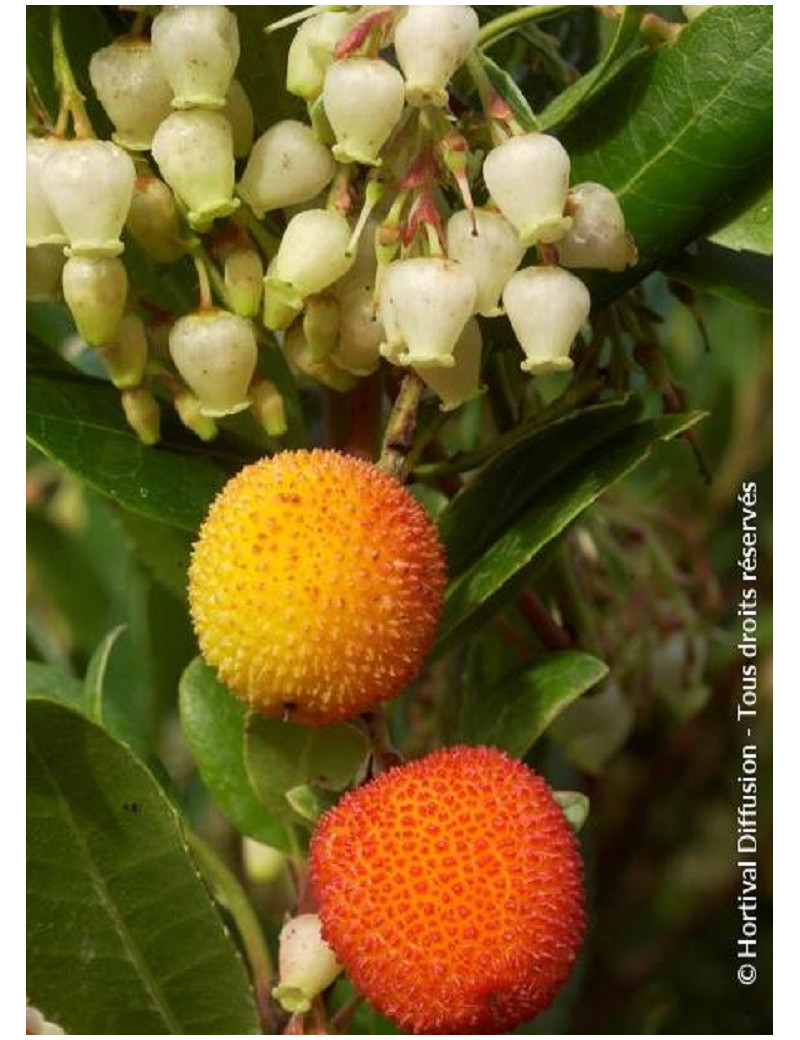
(315, 586)
(451, 891)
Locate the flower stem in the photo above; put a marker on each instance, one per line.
(499, 27)
(71, 98)
(399, 435)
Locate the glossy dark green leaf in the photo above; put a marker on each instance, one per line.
(122, 935)
(751, 231)
(682, 135)
(492, 579)
(164, 551)
(507, 483)
(213, 723)
(741, 277)
(625, 45)
(45, 680)
(282, 756)
(262, 64)
(509, 92)
(576, 807)
(514, 714)
(79, 422)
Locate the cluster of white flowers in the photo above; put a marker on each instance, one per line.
(373, 260)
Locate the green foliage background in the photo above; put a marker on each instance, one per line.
(143, 771)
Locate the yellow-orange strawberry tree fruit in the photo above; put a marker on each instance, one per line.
(341, 326)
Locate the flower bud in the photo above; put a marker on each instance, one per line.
(125, 357)
(528, 178)
(215, 353)
(287, 166)
(311, 256)
(424, 304)
(364, 100)
(693, 11)
(268, 408)
(190, 414)
(546, 307)
(360, 332)
(491, 252)
(460, 383)
(311, 52)
(197, 47)
(597, 237)
(299, 355)
(194, 152)
(95, 290)
(239, 113)
(321, 325)
(153, 220)
(431, 41)
(89, 185)
(276, 312)
(41, 223)
(43, 267)
(132, 89)
(306, 964)
(244, 281)
(143, 413)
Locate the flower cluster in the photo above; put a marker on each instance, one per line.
(354, 237)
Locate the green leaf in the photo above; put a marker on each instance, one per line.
(213, 723)
(79, 422)
(262, 64)
(164, 551)
(45, 680)
(576, 807)
(122, 935)
(751, 230)
(483, 588)
(681, 135)
(508, 482)
(282, 756)
(625, 45)
(509, 92)
(744, 278)
(96, 674)
(514, 714)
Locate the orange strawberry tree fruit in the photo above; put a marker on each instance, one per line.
(341, 325)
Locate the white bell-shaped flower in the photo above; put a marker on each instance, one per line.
(95, 290)
(239, 113)
(287, 166)
(41, 224)
(244, 281)
(132, 89)
(125, 357)
(454, 386)
(306, 964)
(431, 41)
(597, 237)
(360, 332)
(197, 47)
(364, 99)
(301, 358)
(311, 52)
(89, 185)
(546, 307)
(312, 254)
(43, 267)
(528, 178)
(215, 352)
(424, 304)
(194, 152)
(490, 250)
(153, 220)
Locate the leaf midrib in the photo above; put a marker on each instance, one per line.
(159, 1000)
